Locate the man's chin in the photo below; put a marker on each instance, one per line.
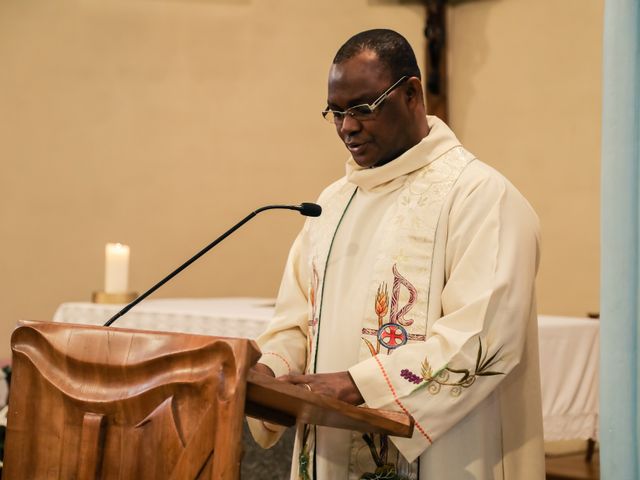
(363, 162)
(370, 158)
(366, 161)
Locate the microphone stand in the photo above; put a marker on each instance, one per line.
(128, 307)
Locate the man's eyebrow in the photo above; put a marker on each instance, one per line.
(361, 100)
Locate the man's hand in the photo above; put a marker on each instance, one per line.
(338, 385)
(263, 369)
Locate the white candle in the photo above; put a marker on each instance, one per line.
(116, 269)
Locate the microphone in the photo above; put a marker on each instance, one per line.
(309, 209)
(306, 209)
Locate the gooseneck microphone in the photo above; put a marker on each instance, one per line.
(306, 209)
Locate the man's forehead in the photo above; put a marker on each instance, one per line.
(363, 64)
(357, 78)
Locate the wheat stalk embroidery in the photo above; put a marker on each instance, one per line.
(443, 377)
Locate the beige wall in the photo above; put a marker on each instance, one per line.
(159, 123)
(526, 97)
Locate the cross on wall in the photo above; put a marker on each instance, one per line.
(435, 84)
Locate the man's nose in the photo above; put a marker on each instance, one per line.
(349, 125)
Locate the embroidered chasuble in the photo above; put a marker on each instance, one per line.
(418, 278)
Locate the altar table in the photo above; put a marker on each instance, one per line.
(569, 348)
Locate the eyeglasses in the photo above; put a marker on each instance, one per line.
(361, 112)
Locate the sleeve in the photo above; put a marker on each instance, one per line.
(283, 344)
(490, 263)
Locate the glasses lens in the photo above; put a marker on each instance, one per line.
(328, 116)
(333, 116)
(361, 112)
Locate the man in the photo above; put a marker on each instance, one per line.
(414, 291)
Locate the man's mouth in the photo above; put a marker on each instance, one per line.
(356, 148)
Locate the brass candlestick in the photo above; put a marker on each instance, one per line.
(113, 298)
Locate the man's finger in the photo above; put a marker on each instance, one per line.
(296, 379)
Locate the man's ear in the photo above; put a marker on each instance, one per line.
(413, 91)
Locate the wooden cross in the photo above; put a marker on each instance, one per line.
(436, 58)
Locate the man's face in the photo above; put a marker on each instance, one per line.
(385, 136)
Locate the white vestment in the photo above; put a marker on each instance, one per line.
(418, 278)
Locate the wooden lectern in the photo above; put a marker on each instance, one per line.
(92, 402)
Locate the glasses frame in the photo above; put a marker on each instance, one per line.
(337, 117)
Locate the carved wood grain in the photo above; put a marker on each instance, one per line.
(91, 446)
(90, 402)
(108, 403)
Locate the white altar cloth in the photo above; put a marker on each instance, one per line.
(227, 317)
(569, 373)
(569, 348)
